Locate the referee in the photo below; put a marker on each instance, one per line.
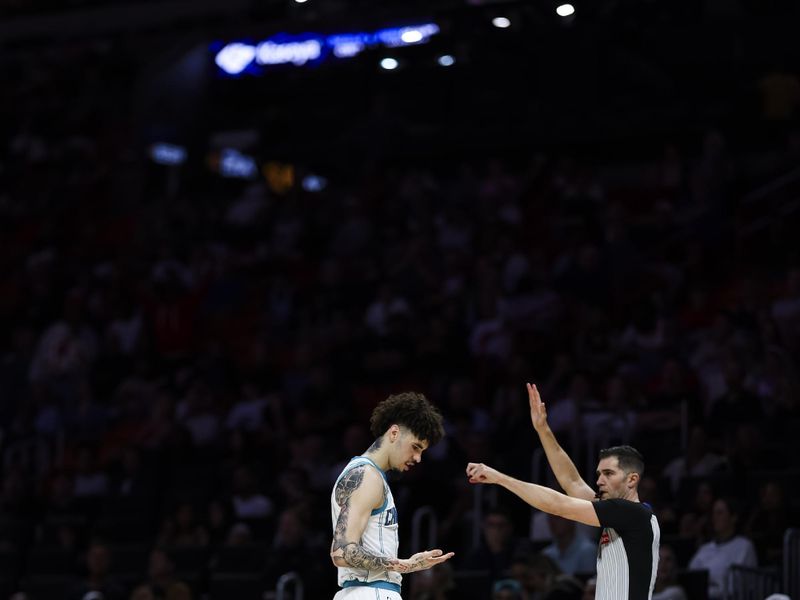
(627, 556)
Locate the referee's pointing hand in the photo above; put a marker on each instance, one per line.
(480, 473)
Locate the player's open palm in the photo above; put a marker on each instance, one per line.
(538, 411)
(423, 560)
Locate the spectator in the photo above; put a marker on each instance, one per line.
(97, 578)
(571, 551)
(87, 420)
(780, 94)
(67, 349)
(15, 493)
(124, 331)
(142, 592)
(295, 548)
(589, 589)
(666, 587)
(565, 411)
(726, 549)
(133, 483)
(218, 520)
(768, 523)
(248, 502)
(506, 589)
(198, 413)
(161, 577)
(156, 427)
(354, 438)
(737, 406)
(541, 578)
(697, 461)
(294, 487)
(745, 448)
(386, 306)
(650, 491)
(786, 308)
(498, 545)
(91, 481)
(695, 522)
(434, 584)
(239, 534)
(183, 530)
(612, 421)
(248, 413)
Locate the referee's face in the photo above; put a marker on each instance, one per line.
(611, 480)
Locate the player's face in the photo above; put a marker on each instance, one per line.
(409, 451)
(611, 480)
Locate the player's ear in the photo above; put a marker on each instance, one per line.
(633, 479)
(394, 433)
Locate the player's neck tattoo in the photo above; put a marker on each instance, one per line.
(375, 445)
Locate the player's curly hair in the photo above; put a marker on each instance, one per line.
(411, 410)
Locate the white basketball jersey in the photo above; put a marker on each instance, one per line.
(380, 536)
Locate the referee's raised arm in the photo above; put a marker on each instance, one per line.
(567, 475)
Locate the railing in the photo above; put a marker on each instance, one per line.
(422, 514)
(776, 185)
(776, 200)
(791, 563)
(284, 581)
(749, 583)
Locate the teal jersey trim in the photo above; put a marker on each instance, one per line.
(383, 585)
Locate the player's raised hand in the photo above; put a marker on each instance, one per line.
(538, 411)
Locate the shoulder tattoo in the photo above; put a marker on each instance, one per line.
(349, 483)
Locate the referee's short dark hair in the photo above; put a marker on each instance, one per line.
(630, 459)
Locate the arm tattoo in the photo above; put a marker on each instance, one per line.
(349, 484)
(356, 556)
(353, 552)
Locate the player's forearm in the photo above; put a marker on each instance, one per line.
(353, 554)
(538, 496)
(564, 469)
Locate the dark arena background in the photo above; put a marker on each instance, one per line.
(229, 228)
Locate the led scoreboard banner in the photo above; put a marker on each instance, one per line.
(246, 58)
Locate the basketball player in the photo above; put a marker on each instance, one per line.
(365, 540)
(627, 557)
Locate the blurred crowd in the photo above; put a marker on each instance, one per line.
(183, 377)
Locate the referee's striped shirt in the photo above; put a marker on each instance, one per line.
(627, 555)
